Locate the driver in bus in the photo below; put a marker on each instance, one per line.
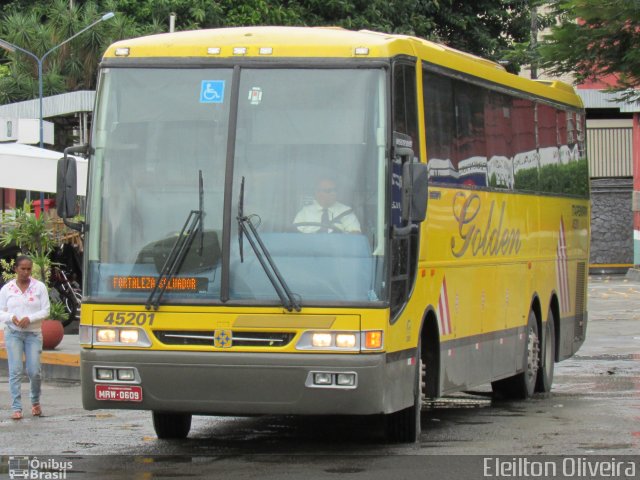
(326, 214)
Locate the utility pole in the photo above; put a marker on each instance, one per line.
(533, 44)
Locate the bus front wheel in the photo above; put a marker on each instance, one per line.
(404, 426)
(171, 425)
(522, 385)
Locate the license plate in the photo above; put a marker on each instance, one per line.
(119, 393)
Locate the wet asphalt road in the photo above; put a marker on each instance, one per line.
(594, 409)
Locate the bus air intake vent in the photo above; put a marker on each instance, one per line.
(238, 339)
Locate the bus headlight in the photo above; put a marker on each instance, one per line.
(345, 340)
(341, 341)
(130, 337)
(106, 335)
(321, 340)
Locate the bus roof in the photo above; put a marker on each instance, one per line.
(330, 42)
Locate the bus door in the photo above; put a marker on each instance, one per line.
(404, 248)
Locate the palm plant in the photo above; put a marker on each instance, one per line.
(71, 67)
(34, 237)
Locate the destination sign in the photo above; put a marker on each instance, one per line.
(132, 283)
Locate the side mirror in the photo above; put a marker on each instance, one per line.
(67, 187)
(414, 191)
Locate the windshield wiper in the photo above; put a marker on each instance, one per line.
(241, 215)
(181, 246)
(246, 227)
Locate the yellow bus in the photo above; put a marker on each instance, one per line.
(289, 220)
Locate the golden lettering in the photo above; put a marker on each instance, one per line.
(493, 240)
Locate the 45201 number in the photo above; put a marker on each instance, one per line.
(130, 318)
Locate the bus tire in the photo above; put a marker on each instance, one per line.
(547, 356)
(522, 385)
(403, 426)
(171, 425)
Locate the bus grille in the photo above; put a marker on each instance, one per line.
(239, 339)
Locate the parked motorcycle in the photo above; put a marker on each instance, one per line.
(66, 291)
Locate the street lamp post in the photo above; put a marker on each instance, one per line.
(39, 60)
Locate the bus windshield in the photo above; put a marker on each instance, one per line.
(307, 144)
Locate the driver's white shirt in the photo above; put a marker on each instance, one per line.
(313, 214)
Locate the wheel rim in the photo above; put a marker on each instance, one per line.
(533, 354)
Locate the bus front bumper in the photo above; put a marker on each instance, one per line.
(249, 383)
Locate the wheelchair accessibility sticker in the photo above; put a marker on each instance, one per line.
(212, 91)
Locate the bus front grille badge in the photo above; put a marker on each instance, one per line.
(222, 339)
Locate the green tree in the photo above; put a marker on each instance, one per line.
(42, 27)
(487, 28)
(595, 38)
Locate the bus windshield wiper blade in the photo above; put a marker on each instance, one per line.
(268, 265)
(178, 253)
(246, 227)
(241, 215)
(201, 207)
(176, 258)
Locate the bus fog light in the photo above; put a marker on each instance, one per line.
(126, 374)
(345, 340)
(346, 379)
(321, 340)
(104, 374)
(129, 336)
(322, 378)
(106, 335)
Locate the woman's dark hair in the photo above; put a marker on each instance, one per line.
(22, 258)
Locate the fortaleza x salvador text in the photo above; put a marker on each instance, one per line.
(568, 467)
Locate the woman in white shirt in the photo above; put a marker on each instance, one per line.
(24, 303)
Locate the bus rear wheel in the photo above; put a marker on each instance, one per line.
(522, 385)
(547, 356)
(171, 425)
(404, 426)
